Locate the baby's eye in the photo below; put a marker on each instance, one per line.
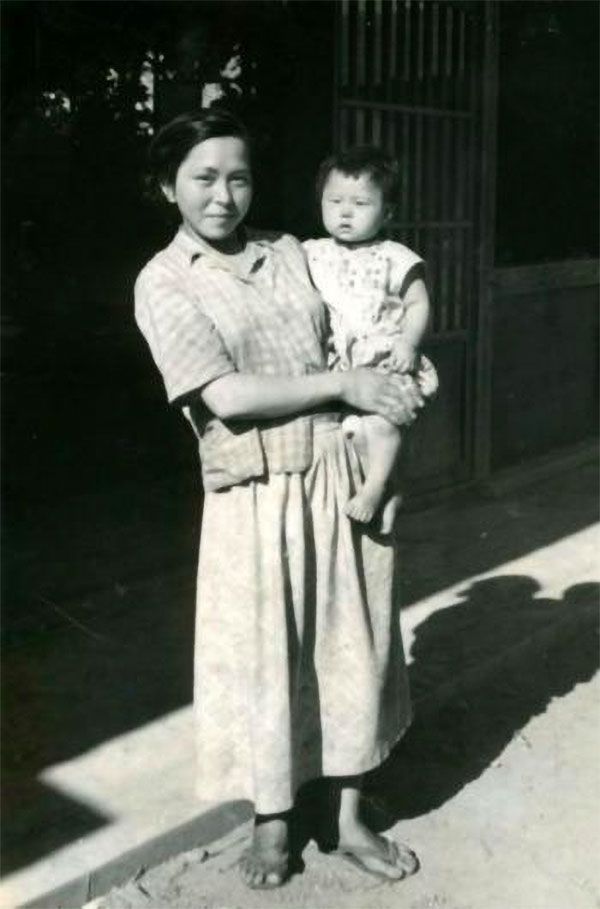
(334, 199)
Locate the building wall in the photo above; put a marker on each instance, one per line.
(545, 360)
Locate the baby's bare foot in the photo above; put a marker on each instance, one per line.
(388, 515)
(362, 507)
(265, 864)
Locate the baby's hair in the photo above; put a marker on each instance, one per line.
(173, 143)
(383, 170)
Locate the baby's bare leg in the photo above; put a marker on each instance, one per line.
(383, 441)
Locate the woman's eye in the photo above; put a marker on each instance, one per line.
(241, 181)
(203, 178)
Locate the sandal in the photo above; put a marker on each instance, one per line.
(395, 852)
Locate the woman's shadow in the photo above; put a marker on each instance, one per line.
(481, 669)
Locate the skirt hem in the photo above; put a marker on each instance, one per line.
(236, 794)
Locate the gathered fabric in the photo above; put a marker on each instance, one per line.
(299, 666)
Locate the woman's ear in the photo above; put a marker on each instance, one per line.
(389, 213)
(168, 192)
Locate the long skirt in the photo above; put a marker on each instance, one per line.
(299, 665)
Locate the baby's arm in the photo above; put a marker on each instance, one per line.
(414, 325)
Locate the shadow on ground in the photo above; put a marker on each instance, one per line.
(496, 658)
(99, 598)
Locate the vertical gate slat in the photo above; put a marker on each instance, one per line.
(376, 126)
(445, 191)
(360, 43)
(471, 159)
(406, 164)
(407, 36)
(390, 145)
(378, 43)
(461, 43)
(393, 38)
(449, 24)
(459, 215)
(344, 127)
(435, 39)
(420, 40)
(345, 44)
(418, 197)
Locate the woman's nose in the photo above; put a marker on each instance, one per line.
(222, 192)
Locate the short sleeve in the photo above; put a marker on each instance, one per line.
(296, 256)
(184, 342)
(402, 262)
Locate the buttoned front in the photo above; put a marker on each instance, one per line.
(204, 317)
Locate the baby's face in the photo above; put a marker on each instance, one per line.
(353, 208)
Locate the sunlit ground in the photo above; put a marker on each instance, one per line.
(141, 782)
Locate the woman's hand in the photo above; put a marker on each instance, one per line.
(387, 395)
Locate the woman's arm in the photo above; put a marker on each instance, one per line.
(242, 396)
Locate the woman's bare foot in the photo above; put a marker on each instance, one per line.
(265, 864)
(375, 854)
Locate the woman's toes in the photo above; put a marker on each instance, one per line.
(383, 867)
(257, 871)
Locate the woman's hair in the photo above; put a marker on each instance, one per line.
(174, 141)
(383, 170)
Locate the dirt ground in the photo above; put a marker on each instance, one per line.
(497, 825)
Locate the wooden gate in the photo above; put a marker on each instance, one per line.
(418, 79)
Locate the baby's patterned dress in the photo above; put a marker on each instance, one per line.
(361, 287)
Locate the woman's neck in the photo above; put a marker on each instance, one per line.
(233, 245)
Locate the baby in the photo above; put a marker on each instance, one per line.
(377, 302)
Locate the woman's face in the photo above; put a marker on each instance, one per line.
(213, 188)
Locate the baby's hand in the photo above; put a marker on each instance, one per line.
(404, 356)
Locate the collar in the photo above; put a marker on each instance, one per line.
(197, 249)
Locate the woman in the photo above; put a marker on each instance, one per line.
(299, 670)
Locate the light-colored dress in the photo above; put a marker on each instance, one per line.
(299, 667)
(362, 287)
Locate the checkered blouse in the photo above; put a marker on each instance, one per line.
(204, 318)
